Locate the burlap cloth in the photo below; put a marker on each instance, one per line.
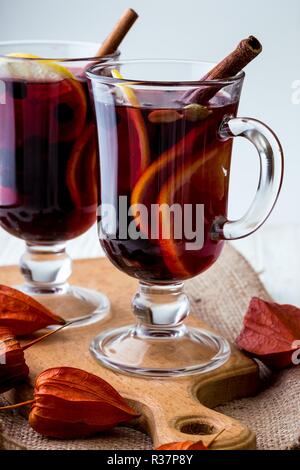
(274, 414)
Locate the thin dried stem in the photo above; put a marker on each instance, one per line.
(213, 440)
(41, 338)
(17, 405)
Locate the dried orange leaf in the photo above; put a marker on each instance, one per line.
(271, 332)
(13, 368)
(72, 403)
(22, 314)
(186, 445)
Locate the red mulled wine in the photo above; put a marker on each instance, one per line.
(48, 158)
(162, 156)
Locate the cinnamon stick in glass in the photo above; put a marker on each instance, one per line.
(112, 42)
(247, 50)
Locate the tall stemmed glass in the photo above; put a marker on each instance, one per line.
(165, 167)
(49, 165)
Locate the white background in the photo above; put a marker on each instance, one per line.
(199, 29)
(205, 30)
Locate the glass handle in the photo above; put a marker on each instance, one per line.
(270, 180)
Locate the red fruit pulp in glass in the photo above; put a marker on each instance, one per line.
(148, 259)
(42, 126)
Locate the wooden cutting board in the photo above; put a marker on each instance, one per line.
(172, 409)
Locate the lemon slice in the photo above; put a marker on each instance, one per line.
(128, 92)
(48, 71)
(32, 70)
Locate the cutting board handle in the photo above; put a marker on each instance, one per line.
(166, 424)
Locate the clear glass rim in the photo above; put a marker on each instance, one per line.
(91, 73)
(51, 42)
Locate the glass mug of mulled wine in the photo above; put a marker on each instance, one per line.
(165, 165)
(48, 165)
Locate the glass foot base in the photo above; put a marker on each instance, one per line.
(160, 353)
(86, 306)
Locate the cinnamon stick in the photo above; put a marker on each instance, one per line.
(247, 50)
(112, 42)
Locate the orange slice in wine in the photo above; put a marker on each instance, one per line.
(186, 146)
(71, 109)
(137, 119)
(82, 169)
(166, 197)
(62, 92)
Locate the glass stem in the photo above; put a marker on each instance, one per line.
(46, 268)
(160, 310)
